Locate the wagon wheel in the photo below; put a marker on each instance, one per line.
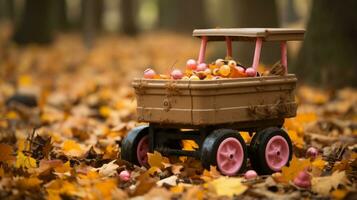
(135, 146)
(226, 149)
(270, 150)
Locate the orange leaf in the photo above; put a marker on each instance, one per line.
(296, 166)
(6, 152)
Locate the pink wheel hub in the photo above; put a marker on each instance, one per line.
(277, 153)
(142, 150)
(230, 156)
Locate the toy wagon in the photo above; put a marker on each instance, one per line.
(212, 112)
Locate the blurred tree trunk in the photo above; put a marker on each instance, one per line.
(36, 24)
(257, 14)
(7, 10)
(328, 55)
(128, 12)
(182, 15)
(61, 21)
(290, 14)
(91, 20)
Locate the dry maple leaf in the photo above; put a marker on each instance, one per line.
(145, 183)
(296, 166)
(156, 160)
(227, 186)
(323, 185)
(213, 173)
(109, 169)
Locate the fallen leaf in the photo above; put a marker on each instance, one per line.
(71, 148)
(63, 168)
(171, 180)
(6, 152)
(23, 161)
(109, 169)
(145, 183)
(339, 194)
(106, 188)
(296, 165)
(26, 183)
(194, 192)
(296, 139)
(319, 163)
(156, 160)
(189, 145)
(213, 173)
(227, 186)
(323, 185)
(176, 169)
(179, 188)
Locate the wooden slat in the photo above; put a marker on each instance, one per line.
(268, 34)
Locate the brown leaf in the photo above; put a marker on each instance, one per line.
(6, 152)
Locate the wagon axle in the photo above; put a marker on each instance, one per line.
(270, 148)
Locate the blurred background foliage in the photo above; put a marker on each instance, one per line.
(326, 58)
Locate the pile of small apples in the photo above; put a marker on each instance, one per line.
(201, 71)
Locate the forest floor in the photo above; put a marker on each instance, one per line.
(63, 140)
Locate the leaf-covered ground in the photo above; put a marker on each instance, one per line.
(65, 110)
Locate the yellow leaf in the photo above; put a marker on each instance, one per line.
(178, 189)
(189, 145)
(106, 188)
(23, 161)
(24, 80)
(57, 187)
(26, 183)
(323, 185)
(156, 159)
(296, 166)
(297, 141)
(246, 137)
(153, 170)
(225, 186)
(104, 111)
(21, 144)
(71, 148)
(306, 117)
(319, 163)
(12, 115)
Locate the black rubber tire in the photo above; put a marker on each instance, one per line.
(211, 143)
(130, 143)
(257, 149)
